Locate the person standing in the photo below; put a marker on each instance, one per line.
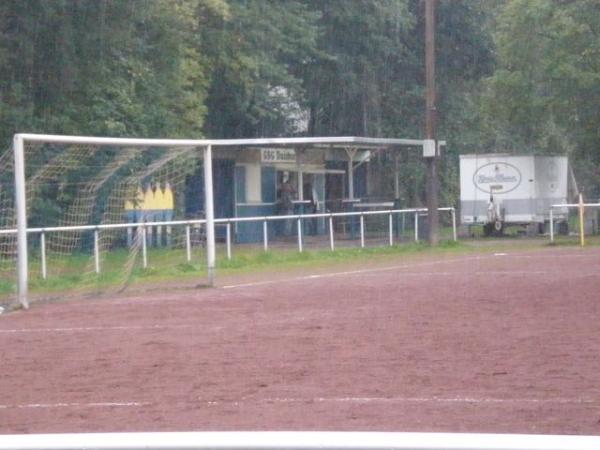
(286, 202)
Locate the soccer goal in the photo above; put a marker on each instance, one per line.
(83, 213)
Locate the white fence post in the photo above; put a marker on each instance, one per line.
(362, 231)
(331, 243)
(265, 236)
(228, 240)
(169, 235)
(581, 221)
(299, 226)
(551, 224)
(453, 211)
(144, 248)
(43, 254)
(188, 244)
(416, 226)
(391, 229)
(150, 236)
(158, 236)
(96, 252)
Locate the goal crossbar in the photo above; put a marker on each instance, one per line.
(341, 141)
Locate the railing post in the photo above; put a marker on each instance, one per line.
(144, 248)
(169, 236)
(551, 224)
(331, 243)
(581, 221)
(416, 226)
(453, 211)
(150, 236)
(96, 251)
(228, 240)
(158, 242)
(362, 231)
(188, 244)
(43, 254)
(391, 229)
(299, 226)
(265, 236)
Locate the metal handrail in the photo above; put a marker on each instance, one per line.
(144, 226)
(124, 225)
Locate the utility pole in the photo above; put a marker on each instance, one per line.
(430, 123)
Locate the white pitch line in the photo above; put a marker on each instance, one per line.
(424, 400)
(295, 400)
(554, 256)
(75, 405)
(466, 400)
(80, 329)
(352, 272)
(406, 266)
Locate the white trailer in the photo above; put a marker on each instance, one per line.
(497, 190)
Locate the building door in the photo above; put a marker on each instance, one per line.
(334, 191)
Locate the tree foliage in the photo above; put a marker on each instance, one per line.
(512, 75)
(544, 96)
(103, 67)
(255, 54)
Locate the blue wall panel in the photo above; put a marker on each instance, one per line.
(253, 231)
(240, 184)
(269, 184)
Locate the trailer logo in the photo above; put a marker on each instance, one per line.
(497, 178)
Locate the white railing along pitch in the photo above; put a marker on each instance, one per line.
(567, 205)
(227, 222)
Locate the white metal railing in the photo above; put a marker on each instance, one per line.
(228, 222)
(297, 441)
(579, 206)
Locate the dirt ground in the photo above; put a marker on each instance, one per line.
(494, 342)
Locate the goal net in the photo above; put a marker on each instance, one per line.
(99, 213)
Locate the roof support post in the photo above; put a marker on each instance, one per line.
(299, 163)
(351, 152)
(396, 177)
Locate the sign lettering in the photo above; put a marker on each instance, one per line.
(274, 155)
(497, 178)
